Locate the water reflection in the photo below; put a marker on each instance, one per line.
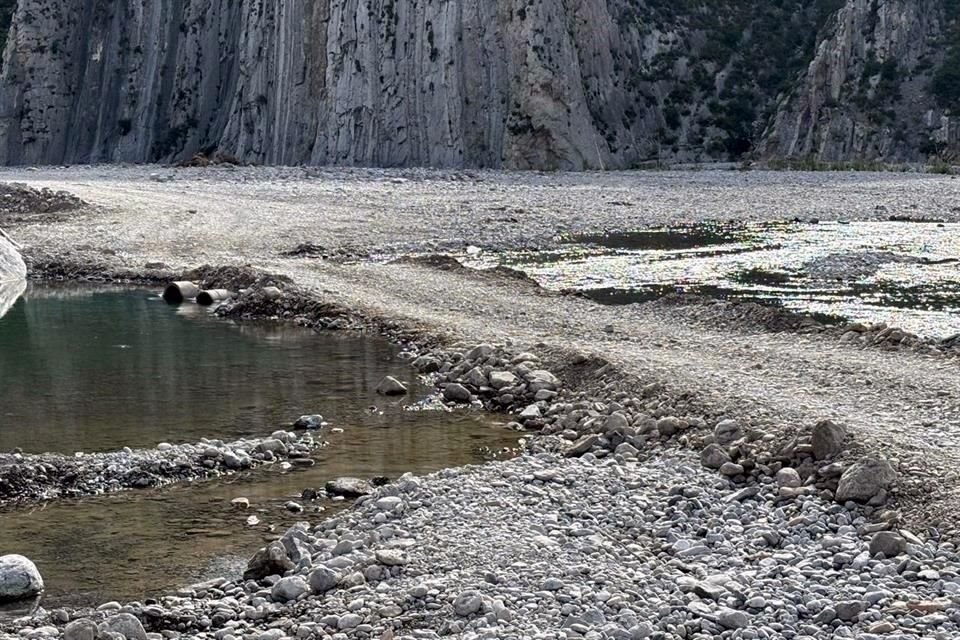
(902, 273)
(10, 292)
(101, 369)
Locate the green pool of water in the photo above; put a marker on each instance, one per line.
(96, 370)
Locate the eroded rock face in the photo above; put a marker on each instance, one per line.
(866, 94)
(493, 83)
(319, 82)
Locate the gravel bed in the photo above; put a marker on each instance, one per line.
(545, 547)
(632, 540)
(31, 478)
(221, 215)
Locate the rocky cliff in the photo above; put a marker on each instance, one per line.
(553, 84)
(876, 88)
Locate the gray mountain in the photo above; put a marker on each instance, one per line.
(546, 84)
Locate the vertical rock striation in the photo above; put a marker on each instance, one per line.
(381, 82)
(546, 84)
(867, 92)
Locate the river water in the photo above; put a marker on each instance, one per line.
(904, 273)
(85, 369)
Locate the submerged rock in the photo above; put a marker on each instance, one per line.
(390, 386)
(19, 578)
(314, 421)
(349, 487)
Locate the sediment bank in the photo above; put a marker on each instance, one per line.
(633, 539)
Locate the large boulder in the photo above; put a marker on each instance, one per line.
(19, 578)
(12, 266)
(271, 560)
(867, 480)
(827, 439)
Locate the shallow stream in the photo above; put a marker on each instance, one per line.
(904, 273)
(86, 369)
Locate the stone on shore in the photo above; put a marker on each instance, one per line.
(323, 579)
(713, 456)
(349, 487)
(501, 379)
(582, 446)
(456, 392)
(788, 477)
(126, 624)
(82, 629)
(289, 588)
(827, 439)
(19, 578)
(727, 431)
(467, 603)
(888, 543)
(866, 481)
(268, 561)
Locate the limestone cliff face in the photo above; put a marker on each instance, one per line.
(382, 82)
(547, 84)
(867, 92)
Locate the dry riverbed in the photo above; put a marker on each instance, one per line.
(611, 527)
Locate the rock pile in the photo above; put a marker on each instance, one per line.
(19, 202)
(574, 424)
(544, 547)
(31, 478)
(499, 381)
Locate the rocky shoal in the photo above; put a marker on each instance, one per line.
(29, 478)
(620, 546)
